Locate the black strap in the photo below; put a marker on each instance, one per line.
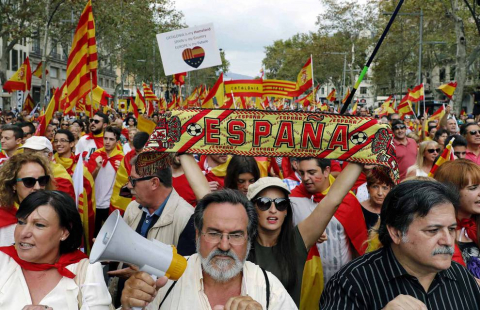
(267, 282)
(169, 290)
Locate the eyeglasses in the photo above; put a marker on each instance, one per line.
(216, 237)
(134, 181)
(65, 124)
(399, 127)
(431, 151)
(8, 118)
(264, 203)
(61, 141)
(474, 132)
(96, 121)
(30, 182)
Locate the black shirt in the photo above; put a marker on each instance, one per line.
(373, 280)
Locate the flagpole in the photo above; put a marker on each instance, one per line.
(313, 79)
(369, 62)
(91, 95)
(423, 87)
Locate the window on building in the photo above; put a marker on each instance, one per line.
(363, 90)
(64, 74)
(323, 91)
(452, 72)
(442, 75)
(14, 60)
(53, 72)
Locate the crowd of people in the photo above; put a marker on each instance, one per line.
(247, 225)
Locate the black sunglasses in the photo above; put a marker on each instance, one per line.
(474, 132)
(134, 181)
(431, 151)
(399, 127)
(264, 203)
(96, 121)
(30, 182)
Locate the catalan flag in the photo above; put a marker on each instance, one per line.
(404, 107)
(38, 71)
(216, 95)
(179, 78)
(331, 96)
(312, 281)
(278, 88)
(304, 78)
(20, 80)
(148, 93)
(246, 88)
(82, 62)
(29, 104)
(416, 94)
(447, 155)
(346, 96)
(448, 89)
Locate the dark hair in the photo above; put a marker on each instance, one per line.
(68, 133)
(17, 131)
(227, 196)
(283, 250)
(10, 114)
(129, 118)
(397, 122)
(239, 165)
(323, 163)
(113, 130)
(431, 127)
(439, 133)
(390, 116)
(66, 211)
(463, 129)
(104, 116)
(410, 199)
(379, 176)
(459, 141)
(79, 123)
(140, 139)
(30, 126)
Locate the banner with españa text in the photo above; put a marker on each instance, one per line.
(275, 134)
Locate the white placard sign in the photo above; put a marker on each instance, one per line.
(189, 49)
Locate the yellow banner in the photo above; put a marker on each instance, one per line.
(275, 133)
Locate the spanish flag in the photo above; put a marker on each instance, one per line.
(227, 102)
(312, 281)
(20, 80)
(346, 96)
(146, 125)
(216, 96)
(118, 202)
(38, 70)
(448, 89)
(416, 94)
(140, 101)
(310, 98)
(28, 105)
(331, 96)
(82, 62)
(447, 155)
(354, 109)
(304, 78)
(52, 107)
(133, 107)
(438, 115)
(404, 107)
(173, 104)
(179, 78)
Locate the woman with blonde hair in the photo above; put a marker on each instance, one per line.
(21, 175)
(427, 152)
(464, 175)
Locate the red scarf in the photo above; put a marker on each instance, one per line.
(301, 191)
(470, 227)
(63, 262)
(97, 138)
(114, 156)
(7, 216)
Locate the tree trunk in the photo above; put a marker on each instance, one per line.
(460, 62)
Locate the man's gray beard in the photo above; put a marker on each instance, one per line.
(223, 270)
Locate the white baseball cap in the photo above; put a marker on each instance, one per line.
(38, 144)
(264, 183)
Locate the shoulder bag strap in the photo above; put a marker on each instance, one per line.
(267, 282)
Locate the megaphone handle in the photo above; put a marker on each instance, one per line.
(154, 277)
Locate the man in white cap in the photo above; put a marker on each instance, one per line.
(42, 145)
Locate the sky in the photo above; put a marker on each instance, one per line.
(243, 28)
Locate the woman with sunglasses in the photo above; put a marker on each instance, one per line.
(21, 175)
(280, 247)
(464, 175)
(45, 269)
(427, 153)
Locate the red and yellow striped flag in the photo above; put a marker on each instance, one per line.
(312, 281)
(346, 96)
(38, 70)
(148, 93)
(416, 94)
(447, 155)
(215, 97)
(29, 104)
(227, 102)
(331, 97)
(82, 62)
(52, 107)
(309, 99)
(20, 80)
(173, 104)
(404, 107)
(438, 115)
(448, 89)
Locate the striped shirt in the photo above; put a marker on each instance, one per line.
(373, 280)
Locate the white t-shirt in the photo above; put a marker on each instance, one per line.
(84, 145)
(104, 186)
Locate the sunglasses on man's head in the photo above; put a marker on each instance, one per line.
(30, 182)
(431, 151)
(96, 121)
(264, 203)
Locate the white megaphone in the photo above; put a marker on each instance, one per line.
(118, 242)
